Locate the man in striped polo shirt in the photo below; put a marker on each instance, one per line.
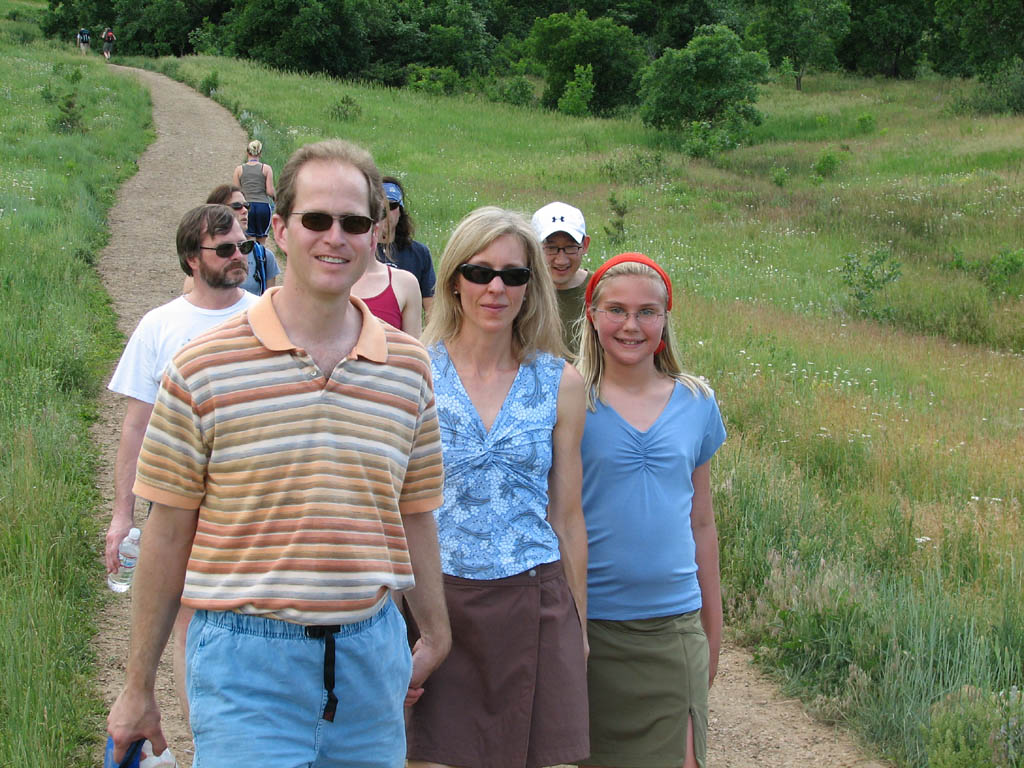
(293, 459)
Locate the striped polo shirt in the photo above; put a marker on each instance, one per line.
(300, 481)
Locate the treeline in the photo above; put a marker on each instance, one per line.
(593, 55)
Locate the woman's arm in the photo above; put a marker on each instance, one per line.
(565, 483)
(236, 177)
(268, 174)
(705, 536)
(407, 289)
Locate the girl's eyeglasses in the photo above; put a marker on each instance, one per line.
(644, 317)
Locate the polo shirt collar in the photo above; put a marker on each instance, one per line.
(372, 343)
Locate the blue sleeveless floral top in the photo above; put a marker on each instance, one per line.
(493, 522)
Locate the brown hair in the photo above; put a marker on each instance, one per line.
(205, 219)
(406, 227)
(221, 194)
(332, 150)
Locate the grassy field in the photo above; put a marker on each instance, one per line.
(61, 162)
(869, 495)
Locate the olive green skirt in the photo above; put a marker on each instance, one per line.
(644, 677)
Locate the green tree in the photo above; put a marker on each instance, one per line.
(984, 34)
(562, 42)
(885, 36)
(663, 23)
(805, 31)
(578, 92)
(711, 78)
(305, 35)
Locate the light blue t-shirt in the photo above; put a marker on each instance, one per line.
(637, 496)
(493, 522)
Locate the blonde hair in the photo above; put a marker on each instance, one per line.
(537, 327)
(590, 361)
(255, 148)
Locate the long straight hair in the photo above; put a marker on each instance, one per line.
(537, 327)
(590, 362)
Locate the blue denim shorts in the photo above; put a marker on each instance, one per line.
(257, 696)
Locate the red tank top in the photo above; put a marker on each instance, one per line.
(385, 305)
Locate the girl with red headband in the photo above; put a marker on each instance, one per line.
(654, 602)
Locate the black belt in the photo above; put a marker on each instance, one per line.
(327, 631)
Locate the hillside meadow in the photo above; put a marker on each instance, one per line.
(70, 133)
(869, 494)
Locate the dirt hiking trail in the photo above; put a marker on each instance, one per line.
(197, 147)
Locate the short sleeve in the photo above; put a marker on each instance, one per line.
(174, 456)
(714, 433)
(427, 277)
(422, 490)
(273, 270)
(134, 375)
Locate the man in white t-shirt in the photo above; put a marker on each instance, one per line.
(209, 244)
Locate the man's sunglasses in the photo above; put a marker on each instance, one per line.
(351, 223)
(227, 250)
(239, 206)
(481, 275)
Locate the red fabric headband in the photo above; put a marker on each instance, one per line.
(639, 258)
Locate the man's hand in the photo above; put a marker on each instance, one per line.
(118, 530)
(425, 659)
(133, 431)
(135, 716)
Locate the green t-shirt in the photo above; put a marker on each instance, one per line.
(570, 308)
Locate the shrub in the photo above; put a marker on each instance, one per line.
(575, 100)
(865, 274)
(970, 728)
(436, 80)
(998, 93)
(343, 109)
(780, 175)
(1001, 274)
(209, 84)
(615, 229)
(711, 78)
(69, 115)
(516, 90)
(827, 164)
(866, 123)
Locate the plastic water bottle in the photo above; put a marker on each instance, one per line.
(139, 755)
(127, 556)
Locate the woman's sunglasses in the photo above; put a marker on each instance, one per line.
(227, 250)
(481, 275)
(239, 206)
(351, 223)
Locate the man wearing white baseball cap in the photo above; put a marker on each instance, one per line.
(563, 234)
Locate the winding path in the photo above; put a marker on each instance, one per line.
(198, 145)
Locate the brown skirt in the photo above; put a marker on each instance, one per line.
(513, 691)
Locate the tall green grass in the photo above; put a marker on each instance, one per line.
(869, 497)
(57, 338)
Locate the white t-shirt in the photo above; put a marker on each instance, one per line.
(158, 337)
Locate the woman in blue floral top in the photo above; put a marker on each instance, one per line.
(513, 543)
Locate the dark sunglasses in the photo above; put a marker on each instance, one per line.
(227, 250)
(318, 221)
(393, 204)
(239, 206)
(481, 275)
